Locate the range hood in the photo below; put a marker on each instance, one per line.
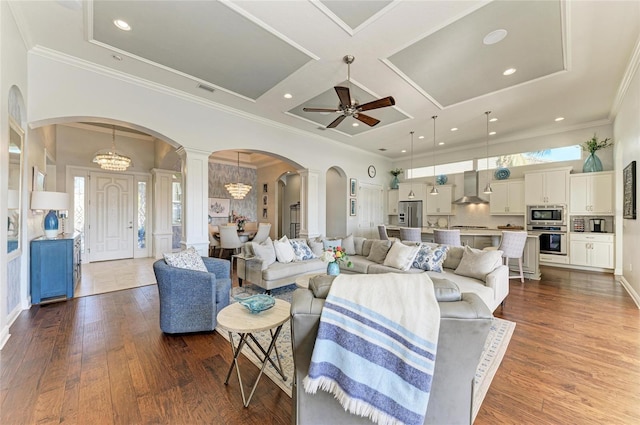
(470, 190)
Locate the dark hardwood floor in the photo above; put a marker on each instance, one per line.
(573, 359)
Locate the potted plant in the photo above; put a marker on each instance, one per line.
(593, 163)
(395, 173)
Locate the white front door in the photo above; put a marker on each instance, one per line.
(111, 211)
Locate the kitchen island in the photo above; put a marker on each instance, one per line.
(481, 237)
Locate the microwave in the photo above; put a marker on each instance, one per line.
(547, 215)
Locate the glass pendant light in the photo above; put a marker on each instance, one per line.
(434, 189)
(411, 194)
(487, 188)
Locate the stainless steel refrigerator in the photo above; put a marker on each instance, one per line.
(410, 213)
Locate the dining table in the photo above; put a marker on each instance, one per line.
(245, 236)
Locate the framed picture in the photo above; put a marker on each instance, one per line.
(219, 207)
(265, 188)
(265, 200)
(629, 191)
(264, 213)
(352, 206)
(38, 179)
(353, 185)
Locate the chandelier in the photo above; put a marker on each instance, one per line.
(238, 190)
(109, 159)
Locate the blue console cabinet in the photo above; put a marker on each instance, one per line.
(55, 267)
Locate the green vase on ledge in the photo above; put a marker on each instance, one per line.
(395, 182)
(592, 164)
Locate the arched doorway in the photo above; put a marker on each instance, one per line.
(337, 202)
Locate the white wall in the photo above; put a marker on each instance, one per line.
(627, 138)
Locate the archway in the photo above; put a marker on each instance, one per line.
(336, 204)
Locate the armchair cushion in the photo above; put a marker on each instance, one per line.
(187, 259)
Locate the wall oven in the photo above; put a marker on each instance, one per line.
(547, 215)
(553, 239)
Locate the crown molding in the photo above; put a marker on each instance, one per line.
(623, 88)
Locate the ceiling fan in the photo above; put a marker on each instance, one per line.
(348, 108)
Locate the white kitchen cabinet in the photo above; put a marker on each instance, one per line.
(419, 189)
(392, 202)
(592, 250)
(547, 187)
(507, 198)
(440, 204)
(591, 193)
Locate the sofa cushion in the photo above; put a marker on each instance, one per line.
(469, 284)
(359, 264)
(279, 270)
(331, 243)
(284, 250)
(446, 290)
(301, 250)
(376, 268)
(320, 285)
(400, 256)
(186, 259)
(477, 263)
(430, 258)
(366, 247)
(348, 245)
(265, 251)
(454, 255)
(358, 243)
(379, 251)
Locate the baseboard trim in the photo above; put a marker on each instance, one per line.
(632, 292)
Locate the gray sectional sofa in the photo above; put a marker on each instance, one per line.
(481, 274)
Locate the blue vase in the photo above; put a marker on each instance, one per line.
(592, 164)
(395, 182)
(333, 269)
(51, 224)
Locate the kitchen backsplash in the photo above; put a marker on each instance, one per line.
(473, 215)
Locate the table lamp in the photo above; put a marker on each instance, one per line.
(52, 201)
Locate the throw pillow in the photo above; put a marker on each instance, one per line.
(366, 247)
(400, 256)
(331, 243)
(348, 245)
(430, 258)
(301, 250)
(358, 243)
(454, 255)
(284, 250)
(379, 251)
(317, 247)
(477, 263)
(187, 259)
(265, 251)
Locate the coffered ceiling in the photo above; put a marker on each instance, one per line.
(433, 57)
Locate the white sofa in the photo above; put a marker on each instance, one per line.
(492, 287)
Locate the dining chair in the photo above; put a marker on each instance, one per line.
(512, 246)
(263, 232)
(229, 239)
(447, 237)
(214, 242)
(412, 234)
(382, 231)
(251, 226)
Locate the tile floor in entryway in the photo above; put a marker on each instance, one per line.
(109, 276)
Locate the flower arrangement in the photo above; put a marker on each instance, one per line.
(592, 145)
(240, 219)
(336, 254)
(396, 172)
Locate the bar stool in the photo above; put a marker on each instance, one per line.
(512, 246)
(382, 231)
(447, 237)
(410, 234)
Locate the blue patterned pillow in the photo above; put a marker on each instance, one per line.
(301, 250)
(429, 258)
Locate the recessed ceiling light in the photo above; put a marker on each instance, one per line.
(403, 151)
(494, 37)
(117, 57)
(420, 137)
(559, 119)
(121, 24)
(454, 129)
(440, 143)
(492, 133)
(355, 124)
(288, 95)
(509, 71)
(493, 120)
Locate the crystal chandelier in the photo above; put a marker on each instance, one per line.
(109, 159)
(238, 190)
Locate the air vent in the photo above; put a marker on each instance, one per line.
(382, 149)
(206, 88)
(321, 128)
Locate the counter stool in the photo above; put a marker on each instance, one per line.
(512, 246)
(447, 237)
(382, 231)
(410, 234)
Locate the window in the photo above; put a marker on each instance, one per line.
(450, 168)
(142, 214)
(78, 208)
(176, 198)
(547, 156)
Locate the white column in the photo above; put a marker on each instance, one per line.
(162, 233)
(309, 203)
(195, 195)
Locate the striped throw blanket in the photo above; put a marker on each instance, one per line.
(376, 346)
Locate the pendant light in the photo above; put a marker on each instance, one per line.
(109, 159)
(434, 189)
(238, 190)
(411, 194)
(487, 188)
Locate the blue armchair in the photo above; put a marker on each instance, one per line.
(190, 299)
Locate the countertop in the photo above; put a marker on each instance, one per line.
(465, 232)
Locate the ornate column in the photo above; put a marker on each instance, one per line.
(195, 197)
(309, 203)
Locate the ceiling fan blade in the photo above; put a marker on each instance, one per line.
(370, 121)
(344, 96)
(320, 110)
(380, 103)
(337, 121)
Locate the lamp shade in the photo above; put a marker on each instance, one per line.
(13, 202)
(41, 200)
